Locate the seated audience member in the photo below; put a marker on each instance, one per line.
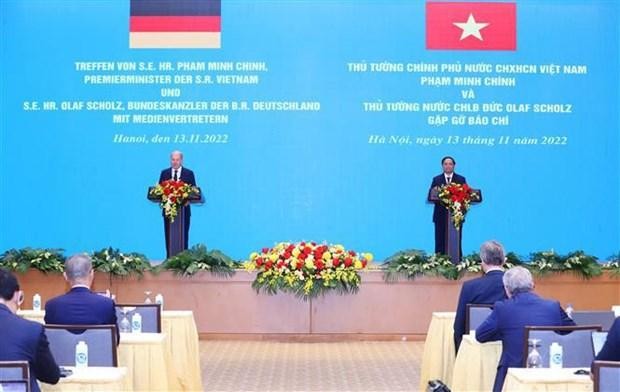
(23, 340)
(486, 289)
(611, 348)
(80, 306)
(508, 319)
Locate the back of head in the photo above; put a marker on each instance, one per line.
(518, 280)
(8, 285)
(78, 268)
(492, 253)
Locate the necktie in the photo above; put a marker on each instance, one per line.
(449, 179)
(175, 176)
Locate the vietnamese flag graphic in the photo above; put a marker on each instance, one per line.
(471, 26)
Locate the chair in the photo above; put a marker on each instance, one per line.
(475, 315)
(575, 341)
(101, 341)
(151, 315)
(603, 318)
(606, 376)
(14, 376)
(15, 386)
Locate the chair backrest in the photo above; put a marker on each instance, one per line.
(475, 315)
(603, 318)
(606, 376)
(14, 370)
(151, 315)
(101, 341)
(15, 386)
(576, 343)
(598, 341)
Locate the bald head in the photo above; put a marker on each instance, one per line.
(176, 159)
(79, 270)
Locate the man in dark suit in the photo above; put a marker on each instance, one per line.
(611, 348)
(486, 289)
(80, 306)
(176, 172)
(508, 319)
(23, 340)
(440, 213)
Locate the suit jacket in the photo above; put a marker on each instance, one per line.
(440, 212)
(24, 340)
(486, 289)
(80, 306)
(187, 176)
(611, 348)
(507, 323)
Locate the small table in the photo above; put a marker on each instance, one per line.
(148, 362)
(546, 380)
(438, 357)
(182, 344)
(475, 366)
(91, 379)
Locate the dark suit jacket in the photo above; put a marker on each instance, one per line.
(611, 348)
(486, 289)
(24, 340)
(187, 176)
(440, 212)
(507, 323)
(80, 306)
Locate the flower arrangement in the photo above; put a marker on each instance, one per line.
(457, 199)
(116, 262)
(172, 194)
(578, 262)
(198, 258)
(21, 260)
(413, 263)
(307, 269)
(613, 265)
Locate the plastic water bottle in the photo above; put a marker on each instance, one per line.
(159, 299)
(569, 310)
(556, 354)
(36, 302)
(136, 323)
(81, 354)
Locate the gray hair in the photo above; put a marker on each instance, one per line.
(518, 280)
(175, 152)
(492, 253)
(78, 267)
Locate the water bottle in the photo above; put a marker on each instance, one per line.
(159, 299)
(36, 302)
(136, 323)
(569, 310)
(533, 359)
(81, 354)
(555, 356)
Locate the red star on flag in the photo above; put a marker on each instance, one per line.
(471, 26)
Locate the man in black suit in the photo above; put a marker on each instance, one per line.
(80, 306)
(508, 319)
(440, 213)
(21, 339)
(486, 289)
(177, 172)
(611, 348)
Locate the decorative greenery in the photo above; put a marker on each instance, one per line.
(197, 259)
(45, 260)
(613, 266)
(115, 262)
(412, 263)
(307, 269)
(577, 262)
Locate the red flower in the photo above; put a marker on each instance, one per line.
(268, 264)
(259, 262)
(319, 265)
(173, 199)
(265, 250)
(364, 263)
(348, 261)
(352, 253)
(336, 262)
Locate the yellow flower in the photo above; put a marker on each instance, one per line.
(294, 262)
(308, 286)
(253, 256)
(327, 256)
(339, 247)
(357, 264)
(309, 264)
(273, 257)
(249, 266)
(368, 256)
(296, 252)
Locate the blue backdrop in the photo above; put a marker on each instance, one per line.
(313, 175)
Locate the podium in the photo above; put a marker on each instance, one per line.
(176, 229)
(452, 233)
